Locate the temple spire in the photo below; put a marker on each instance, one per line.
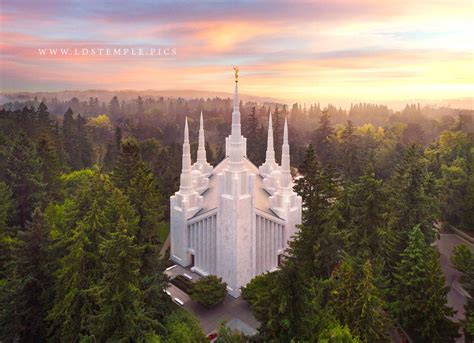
(235, 143)
(270, 155)
(201, 164)
(236, 133)
(186, 183)
(201, 153)
(285, 181)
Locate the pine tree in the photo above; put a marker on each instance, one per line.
(50, 167)
(318, 242)
(129, 161)
(350, 163)
(84, 143)
(43, 120)
(413, 196)
(24, 177)
(463, 260)
(362, 205)
(323, 140)
(78, 271)
(420, 293)
(114, 108)
(6, 206)
(254, 142)
(357, 302)
(147, 200)
(411, 200)
(25, 289)
(113, 150)
(121, 314)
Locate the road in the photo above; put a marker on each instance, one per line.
(457, 296)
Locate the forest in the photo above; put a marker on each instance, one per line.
(84, 205)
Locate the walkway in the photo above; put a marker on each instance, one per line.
(457, 296)
(210, 319)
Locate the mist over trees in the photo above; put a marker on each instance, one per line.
(84, 186)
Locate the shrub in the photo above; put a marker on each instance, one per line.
(182, 283)
(182, 327)
(209, 290)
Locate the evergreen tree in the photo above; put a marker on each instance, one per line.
(43, 120)
(362, 205)
(411, 201)
(147, 200)
(121, 314)
(113, 149)
(50, 167)
(420, 293)
(413, 196)
(323, 140)
(6, 206)
(75, 141)
(463, 260)
(24, 177)
(78, 271)
(316, 245)
(25, 289)
(357, 302)
(7, 241)
(84, 143)
(255, 144)
(114, 108)
(337, 334)
(350, 163)
(129, 161)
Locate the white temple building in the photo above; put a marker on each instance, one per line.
(233, 220)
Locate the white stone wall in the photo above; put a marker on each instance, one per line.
(202, 243)
(270, 241)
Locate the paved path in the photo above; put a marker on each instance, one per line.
(210, 319)
(457, 296)
(165, 246)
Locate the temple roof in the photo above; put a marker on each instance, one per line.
(211, 201)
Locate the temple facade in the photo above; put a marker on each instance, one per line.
(233, 220)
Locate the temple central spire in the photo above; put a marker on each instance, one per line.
(236, 144)
(236, 128)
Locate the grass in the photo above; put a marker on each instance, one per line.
(163, 231)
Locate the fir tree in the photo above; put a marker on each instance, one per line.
(316, 246)
(463, 260)
(324, 140)
(79, 270)
(129, 161)
(420, 293)
(121, 314)
(349, 156)
(411, 201)
(358, 303)
(50, 167)
(363, 216)
(25, 289)
(147, 200)
(24, 177)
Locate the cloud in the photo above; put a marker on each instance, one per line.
(299, 49)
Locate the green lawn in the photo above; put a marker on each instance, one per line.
(163, 230)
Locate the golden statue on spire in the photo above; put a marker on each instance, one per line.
(236, 70)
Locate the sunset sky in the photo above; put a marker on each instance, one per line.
(339, 51)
